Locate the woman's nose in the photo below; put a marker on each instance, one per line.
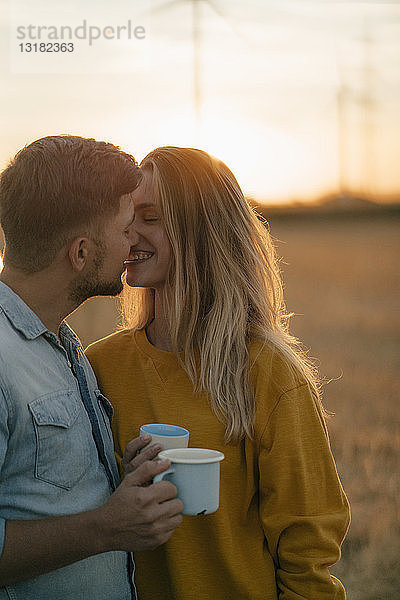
(133, 236)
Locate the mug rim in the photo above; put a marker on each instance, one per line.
(169, 430)
(196, 458)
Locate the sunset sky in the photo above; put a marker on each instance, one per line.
(300, 98)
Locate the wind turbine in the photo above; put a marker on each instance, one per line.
(368, 106)
(197, 45)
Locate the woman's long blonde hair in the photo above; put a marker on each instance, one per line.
(224, 285)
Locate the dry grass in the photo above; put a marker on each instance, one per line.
(342, 280)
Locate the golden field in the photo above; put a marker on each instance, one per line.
(342, 280)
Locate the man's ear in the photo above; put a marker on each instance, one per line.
(79, 253)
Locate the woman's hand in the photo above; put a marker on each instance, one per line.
(132, 458)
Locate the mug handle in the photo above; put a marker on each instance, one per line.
(161, 476)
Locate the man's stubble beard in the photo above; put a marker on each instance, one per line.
(89, 285)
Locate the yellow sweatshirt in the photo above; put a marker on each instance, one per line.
(283, 513)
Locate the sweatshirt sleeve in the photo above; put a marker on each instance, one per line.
(304, 511)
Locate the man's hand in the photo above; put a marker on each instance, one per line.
(134, 518)
(132, 459)
(138, 517)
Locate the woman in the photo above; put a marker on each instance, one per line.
(208, 348)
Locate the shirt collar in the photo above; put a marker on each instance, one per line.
(25, 320)
(69, 334)
(20, 315)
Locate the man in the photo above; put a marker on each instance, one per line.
(66, 524)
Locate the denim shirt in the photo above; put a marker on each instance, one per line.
(56, 449)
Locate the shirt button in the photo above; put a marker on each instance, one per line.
(69, 364)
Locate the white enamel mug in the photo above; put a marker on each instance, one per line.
(196, 473)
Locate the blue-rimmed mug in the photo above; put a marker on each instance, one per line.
(169, 436)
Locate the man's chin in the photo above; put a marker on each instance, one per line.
(85, 290)
(107, 289)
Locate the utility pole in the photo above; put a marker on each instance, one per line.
(343, 129)
(360, 123)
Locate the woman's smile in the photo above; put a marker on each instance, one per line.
(140, 256)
